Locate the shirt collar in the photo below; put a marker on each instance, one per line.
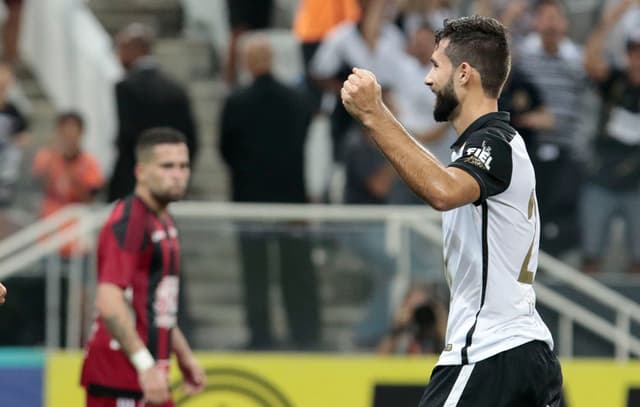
(479, 123)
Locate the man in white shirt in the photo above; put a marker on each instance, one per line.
(373, 43)
(498, 350)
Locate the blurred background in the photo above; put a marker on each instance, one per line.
(312, 276)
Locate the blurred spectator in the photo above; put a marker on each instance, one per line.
(517, 15)
(613, 186)
(418, 326)
(146, 98)
(370, 43)
(244, 15)
(554, 64)
(415, 13)
(264, 128)
(415, 104)
(68, 174)
(314, 19)
(13, 137)
(616, 51)
(11, 30)
(369, 179)
(522, 99)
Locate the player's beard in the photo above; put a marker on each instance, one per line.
(446, 103)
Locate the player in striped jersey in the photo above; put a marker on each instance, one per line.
(128, 355)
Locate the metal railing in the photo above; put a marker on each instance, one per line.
(26, 247)
(618, 333)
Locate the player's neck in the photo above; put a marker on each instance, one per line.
(147, 197)
(471, 110)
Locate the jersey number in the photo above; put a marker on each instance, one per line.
(526, 276)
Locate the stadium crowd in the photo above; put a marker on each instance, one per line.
(574, 97)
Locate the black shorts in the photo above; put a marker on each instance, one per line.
(526, 376)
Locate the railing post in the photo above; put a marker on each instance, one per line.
(623, 325)
(52, 294)
(90, 288)
(565, 332)
(398, 245)
(75, 296)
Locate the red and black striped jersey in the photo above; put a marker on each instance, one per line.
(139, 252)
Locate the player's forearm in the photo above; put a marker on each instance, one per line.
(114, 312)
(420, 169)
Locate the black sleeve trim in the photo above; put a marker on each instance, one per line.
(471, 170)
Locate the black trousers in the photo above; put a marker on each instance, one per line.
(290, 249)
(526, 376)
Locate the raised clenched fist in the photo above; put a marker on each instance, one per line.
(362, 95)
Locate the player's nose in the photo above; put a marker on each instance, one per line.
(428, 80)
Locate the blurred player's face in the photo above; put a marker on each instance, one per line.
(440, 80)
(69, 138)
(166, 174)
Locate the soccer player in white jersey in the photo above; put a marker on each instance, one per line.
(498, 350)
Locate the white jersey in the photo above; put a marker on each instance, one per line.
(491, 247)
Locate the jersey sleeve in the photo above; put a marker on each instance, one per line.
(487, 158)
(120, 250)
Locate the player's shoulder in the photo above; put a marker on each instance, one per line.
(127, 223)
(494, 132)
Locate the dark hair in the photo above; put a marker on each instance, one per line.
(482, 43)
(70, 116)
(138, 34)
(554, 3)
(156, 136)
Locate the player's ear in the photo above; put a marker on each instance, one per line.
(464, 73)
(139, 171)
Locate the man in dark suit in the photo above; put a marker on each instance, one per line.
(146, 98)
(262, 139)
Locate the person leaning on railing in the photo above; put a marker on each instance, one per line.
(3, 293)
